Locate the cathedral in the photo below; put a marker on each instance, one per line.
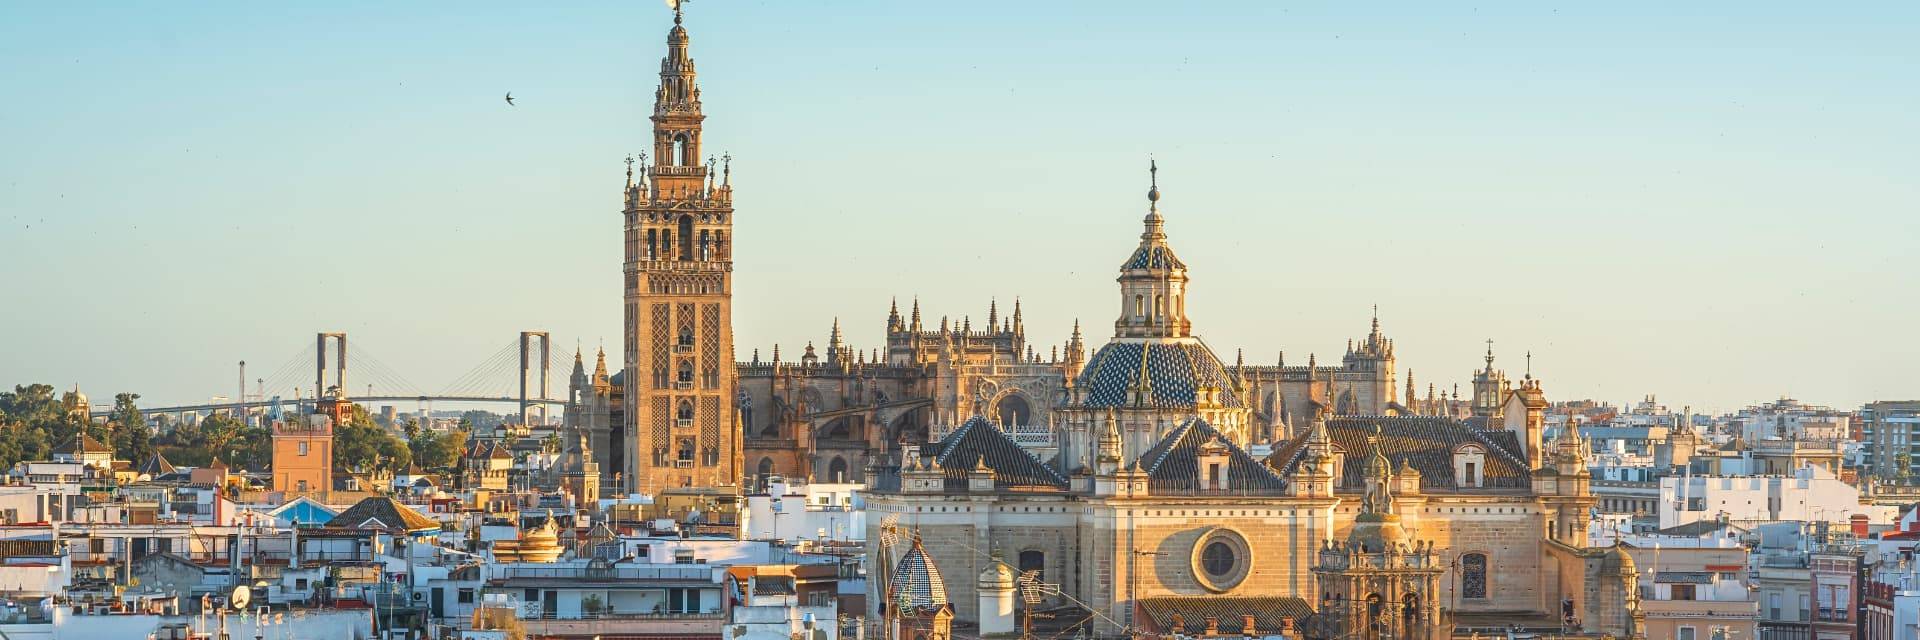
(1143, 481)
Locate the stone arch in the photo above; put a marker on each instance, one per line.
(1347, 406)
(764, 472)
(837, 470)
(686, 237)
(1013, 408)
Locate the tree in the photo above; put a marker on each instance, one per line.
(128, 433)
(362, 445)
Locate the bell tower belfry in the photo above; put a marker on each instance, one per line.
(681, 428)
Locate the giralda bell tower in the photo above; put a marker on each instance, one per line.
(680, 380)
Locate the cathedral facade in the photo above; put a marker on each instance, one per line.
(1145, 481)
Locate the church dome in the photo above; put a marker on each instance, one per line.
(916, 581)
(1374, 532)
(1165, 374)
(1617, 562)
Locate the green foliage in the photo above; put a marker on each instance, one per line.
(33, 421)
(434, 450)
(362, 445)
(218, 437)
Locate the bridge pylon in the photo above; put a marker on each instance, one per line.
(339, 339)
(527, 340)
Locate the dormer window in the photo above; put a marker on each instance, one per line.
(1470, 466)
(1212, 467)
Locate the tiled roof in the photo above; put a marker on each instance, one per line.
(1426, 443)
(1173, 464)
(916, 581)
(384, 513)
(83, 443)
(1230, 613)
(1013, 466)
(1153, 255)
(1173, 371)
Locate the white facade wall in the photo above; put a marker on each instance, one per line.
(1809, 495)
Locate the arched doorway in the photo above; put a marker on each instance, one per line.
(837, 470)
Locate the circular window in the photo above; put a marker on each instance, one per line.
(1221, 559)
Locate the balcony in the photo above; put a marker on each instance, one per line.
(694, 574)
(1701, 609)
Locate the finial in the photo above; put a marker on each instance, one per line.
(677, 6)
(629, 170)
(1529, 364)
(726, 169)
(1153, 177)
(1376, 318)
(1489, 353)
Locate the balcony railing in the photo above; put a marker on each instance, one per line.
(672, 573)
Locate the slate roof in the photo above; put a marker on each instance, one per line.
(978, 440)
(916, 584)
(1230, 612)
(1173, 371)
(1173, 464)
(1426, 443)
(384, 513)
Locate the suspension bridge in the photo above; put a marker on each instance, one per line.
(521, 372)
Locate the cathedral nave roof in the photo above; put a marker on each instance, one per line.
(1427, 443)
(978, 441)
(1173, 465)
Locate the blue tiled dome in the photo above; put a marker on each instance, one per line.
(1153, 255)
(1174, 370)
(916, 581)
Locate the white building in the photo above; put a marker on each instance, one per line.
(816, 512)
(1810, 494)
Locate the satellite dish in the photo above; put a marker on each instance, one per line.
(240, 597)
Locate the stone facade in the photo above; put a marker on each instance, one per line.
(680, 429)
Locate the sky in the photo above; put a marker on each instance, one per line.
(1714, 202)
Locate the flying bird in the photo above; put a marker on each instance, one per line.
(509, 98)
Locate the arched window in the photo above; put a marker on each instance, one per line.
(837, 470)
(765, 471)
(686, 450)
(686, 371)
(1159, 306)
(1014, 410)
(686, 410)
(706, 246)
(686, 238)
(1473, 576)
(681, 151)
(1139, 306)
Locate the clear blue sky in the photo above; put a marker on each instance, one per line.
(1712, 203)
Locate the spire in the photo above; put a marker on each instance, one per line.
(600, 364)
(579, 365)
(893, 314)
(1155, 224)
(916, 315)
(993, 314)
(1489, 355)
(1018, 327)
(1410, 399)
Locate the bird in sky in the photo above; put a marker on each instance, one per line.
(509, 98)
